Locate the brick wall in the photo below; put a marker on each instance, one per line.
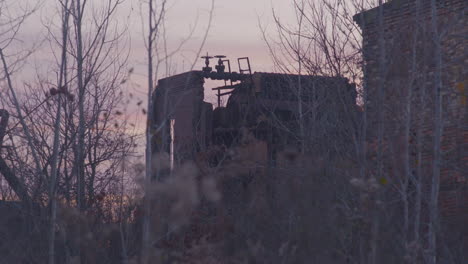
(408, 63)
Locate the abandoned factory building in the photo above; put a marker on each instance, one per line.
(282, 110)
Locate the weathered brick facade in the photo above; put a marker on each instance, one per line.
(406, 61)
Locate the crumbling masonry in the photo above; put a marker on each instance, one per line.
(262, 104)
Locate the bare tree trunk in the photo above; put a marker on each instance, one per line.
(13, 181)
(53, 182)
(299, 81)
(78, 16)
(145, 247)
(78, 9)
(4, 116)
(438, 127)
(413, 249)
(20, 115)
(419, 158)
(55, 154)
(408, 176)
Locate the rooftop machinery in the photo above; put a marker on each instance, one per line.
(229, 76)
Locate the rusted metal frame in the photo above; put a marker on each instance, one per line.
(226, 93)
(226, 87)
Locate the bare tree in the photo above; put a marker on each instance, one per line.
(99, 55)
(55, 154)
(390, 131)
(158, 54)
(438, 128)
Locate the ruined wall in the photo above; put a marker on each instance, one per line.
(408, 62)
(180, 98)
(407, 37)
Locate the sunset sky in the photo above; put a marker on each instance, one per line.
(234, 32)
(235, 28)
